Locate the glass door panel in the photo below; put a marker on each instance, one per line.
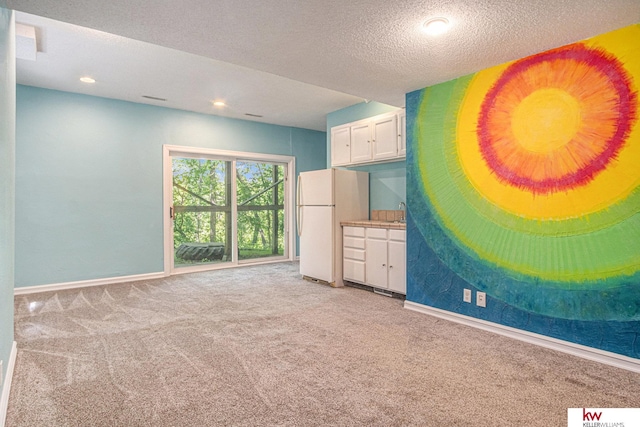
(202, 217)
(261, 211)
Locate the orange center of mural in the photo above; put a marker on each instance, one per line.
(546, 120)
(554, 121)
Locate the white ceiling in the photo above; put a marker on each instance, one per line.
(292, 61)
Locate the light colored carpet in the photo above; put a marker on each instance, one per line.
(259, 346)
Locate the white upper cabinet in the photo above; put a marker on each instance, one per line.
(374, 140)
(360, 143)
(402, 133)
(385, 137)
(340, 145)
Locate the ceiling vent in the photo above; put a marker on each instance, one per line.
(26, 42)
(155, 98)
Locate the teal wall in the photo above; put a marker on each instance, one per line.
(7, 186)
(387, 181)
(89, 179)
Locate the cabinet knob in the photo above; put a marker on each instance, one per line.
(391, 266)
(384, 265)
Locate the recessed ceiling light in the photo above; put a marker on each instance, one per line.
(436, 26)
(219, 103)
(87, 80)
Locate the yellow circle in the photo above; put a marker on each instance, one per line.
(546, 120)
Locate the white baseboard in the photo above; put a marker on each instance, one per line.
(6, 387)
(86, 283)
(582, 351)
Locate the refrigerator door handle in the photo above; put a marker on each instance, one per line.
(298, 212)
(298, 190)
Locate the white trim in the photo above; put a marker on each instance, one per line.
(589, 353)
(167, 196)
(6, 388)
(290, 205)
(216, 154)
(234, 213)
(86, 283)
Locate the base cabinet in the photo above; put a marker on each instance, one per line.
(397, 266)
(353, 267)
(375, 257)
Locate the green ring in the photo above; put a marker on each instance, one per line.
(605, 245)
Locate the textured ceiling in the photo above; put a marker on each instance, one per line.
(364, 49)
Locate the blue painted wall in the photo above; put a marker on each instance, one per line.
(89, 179)
(387, 181)
(7, 164)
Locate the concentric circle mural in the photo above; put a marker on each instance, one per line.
(552, 122)
(532, 172)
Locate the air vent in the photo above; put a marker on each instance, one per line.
(252, 115)
(155, 98)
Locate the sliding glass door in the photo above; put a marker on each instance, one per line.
(226, 210)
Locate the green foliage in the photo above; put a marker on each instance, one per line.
(202, 201)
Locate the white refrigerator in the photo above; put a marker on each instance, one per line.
(324, 198)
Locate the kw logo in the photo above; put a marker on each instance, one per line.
(589, 416)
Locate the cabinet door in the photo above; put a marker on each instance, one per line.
(402, 132)
(340, 146)
(376, 263)
(360, 143)
(353, 270)
(397, 269)
(385, 137)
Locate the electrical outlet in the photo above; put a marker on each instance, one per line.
(467, 295)
(481, 299)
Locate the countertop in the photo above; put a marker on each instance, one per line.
(375, 224)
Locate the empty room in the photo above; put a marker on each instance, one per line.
(312, 213)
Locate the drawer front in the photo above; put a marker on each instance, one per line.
(377, 233)
(355, 254)
(354, 231)
(353, 242)
(399, 235)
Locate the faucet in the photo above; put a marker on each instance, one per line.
(403, 207)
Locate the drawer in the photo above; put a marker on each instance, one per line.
(354, 231)
(357, 254)
(377, 233)
(398, 235)
(353, 242)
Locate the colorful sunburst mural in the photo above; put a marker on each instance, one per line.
(524, 182)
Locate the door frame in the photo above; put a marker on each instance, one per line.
(169, 151)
